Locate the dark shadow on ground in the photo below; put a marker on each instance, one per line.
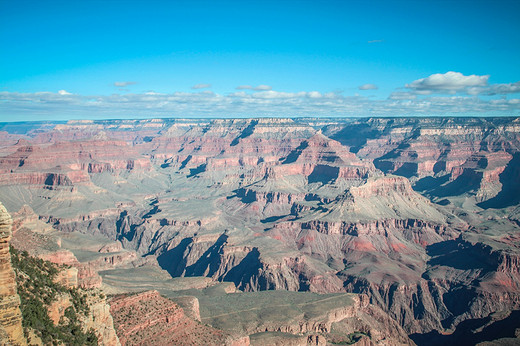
(463, 335)
(510, 193)
(173, 260)
(323, 174)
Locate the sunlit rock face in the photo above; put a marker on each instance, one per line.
(10, 316)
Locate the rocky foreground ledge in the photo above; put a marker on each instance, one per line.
(11, 331)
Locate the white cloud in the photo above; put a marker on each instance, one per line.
(64, 92)
(368, 87)
(261, 87)
(201, 86)
(375, 41)
(123, 84)
(449, 82)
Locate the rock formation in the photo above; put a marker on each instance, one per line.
(387, 207)
(148, 318)
(101, 321)
(55, 310)
(10, 315)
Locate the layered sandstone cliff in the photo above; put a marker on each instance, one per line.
(10, 315)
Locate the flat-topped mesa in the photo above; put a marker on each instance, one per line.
(131, 131)
(66, 153)
(383, 186)
(296, 318)
(279, 128)
(379, 198)
(10, 314)
(45, 180)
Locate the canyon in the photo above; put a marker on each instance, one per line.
(411, 226)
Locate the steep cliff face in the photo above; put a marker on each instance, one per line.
(101, 321)
(10, 315)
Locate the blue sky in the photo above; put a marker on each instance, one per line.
(135, 59)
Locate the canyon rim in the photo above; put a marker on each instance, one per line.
(375, 230)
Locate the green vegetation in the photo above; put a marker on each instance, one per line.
(37, 289)
(350, 339)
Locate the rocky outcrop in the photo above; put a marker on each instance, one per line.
(56, 308)
(383, 186)
(149, 318)
(68, 277)
(86, 273)
(78, 275)
(10, 315)
(100, 320)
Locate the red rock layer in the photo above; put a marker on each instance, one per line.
(149, 319)
(67, 163)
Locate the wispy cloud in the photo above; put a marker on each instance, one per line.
(368, 87)
(502, 89)
(375, 41)
(256, 103)
(201, 86)
(41, 97)
(123, 84)
(402, 95)
(261, 87)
